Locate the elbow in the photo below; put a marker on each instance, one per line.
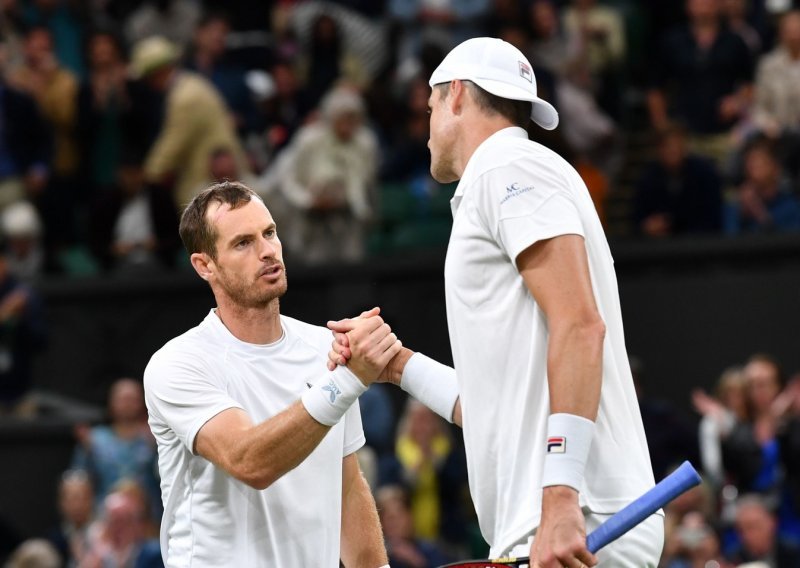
(258, 478)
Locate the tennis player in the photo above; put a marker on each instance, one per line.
(542, 385)
(256, 438)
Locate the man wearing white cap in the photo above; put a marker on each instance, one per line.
(542, 385)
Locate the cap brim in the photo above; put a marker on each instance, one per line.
(542, 112)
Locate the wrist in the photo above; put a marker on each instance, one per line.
(431, 383)
(567, 446)
(398, 365)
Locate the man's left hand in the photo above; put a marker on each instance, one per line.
(560, 540)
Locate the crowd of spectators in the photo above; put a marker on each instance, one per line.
(116, 113)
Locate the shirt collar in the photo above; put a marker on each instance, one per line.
(510, 132)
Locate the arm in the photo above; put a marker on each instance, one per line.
(260, 454)
(556, 272)
(362, 539)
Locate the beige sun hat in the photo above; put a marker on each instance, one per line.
(151, 54)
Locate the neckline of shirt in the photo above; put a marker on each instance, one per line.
(216, 324)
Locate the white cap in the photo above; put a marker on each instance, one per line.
(500, 68)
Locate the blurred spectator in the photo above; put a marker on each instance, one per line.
(134, 490)
(750, 451)
(422, 448)
(787, 408)
(65, 20)
(327, 61)
(777, 106)
(697, 500)
(76, 512)
(764, 201)
(25, 146)
(174, 20)
(103, 101)
(432, 467)
(701, 78)
(134, 225)
(118, 540)
(599, 34)
(34, 553)
(281, 109)
(679, 193)
(551, 48)
(757, 529)
(693, 544)
(123, 449)
(22, 228)
(207, 58)
(196, 121)
(55, 90)
(327, 175)
(734, 14)
(719, 415)
(441, 22)
(22, 334)
(404, 548)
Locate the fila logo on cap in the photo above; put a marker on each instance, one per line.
(525, 72)
(556, 445)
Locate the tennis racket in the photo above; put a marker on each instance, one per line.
(679, 481)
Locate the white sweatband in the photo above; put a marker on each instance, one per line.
(431, 383)
(569, 439)
(331, 395)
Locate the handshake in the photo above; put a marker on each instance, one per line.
(365, 351)
(368, 348)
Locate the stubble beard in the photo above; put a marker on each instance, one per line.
(247, 295)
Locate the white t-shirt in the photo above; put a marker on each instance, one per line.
(210, 518)
(513, 193)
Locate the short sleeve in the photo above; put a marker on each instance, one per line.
(557, 216)
(183, 395)
(526, 202)
(353, 430)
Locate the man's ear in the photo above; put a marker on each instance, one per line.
(203, 264)
(456, 92)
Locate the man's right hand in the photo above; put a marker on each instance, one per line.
(371, 345)
(341, 352)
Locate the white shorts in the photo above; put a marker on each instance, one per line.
(639, 548)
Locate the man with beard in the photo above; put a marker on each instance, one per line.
(256, 438)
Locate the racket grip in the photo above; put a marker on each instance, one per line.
(680, 480)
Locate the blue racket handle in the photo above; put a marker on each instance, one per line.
(680, 480)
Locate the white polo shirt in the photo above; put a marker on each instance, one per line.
(210, 518)
(515, 192)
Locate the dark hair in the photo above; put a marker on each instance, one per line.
(197, 234)
(517, 112)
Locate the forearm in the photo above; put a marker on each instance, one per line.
(267, 451)
(362, 540)
(575, 368)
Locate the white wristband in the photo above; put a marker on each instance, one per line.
(331, 395)
(431, 383)
(569, 439)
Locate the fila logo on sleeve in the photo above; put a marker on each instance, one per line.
(556, 445)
